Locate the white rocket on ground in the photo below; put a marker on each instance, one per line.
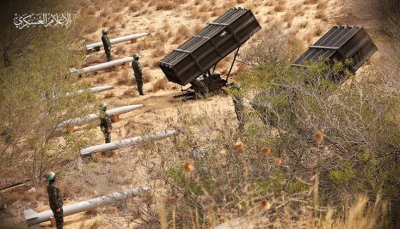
(79, 121)
(126, 142)
(96, 46)
(33, 218)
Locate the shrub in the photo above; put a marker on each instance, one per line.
(123, 77)
(160, 84)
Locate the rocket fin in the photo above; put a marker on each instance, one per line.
(30, 214)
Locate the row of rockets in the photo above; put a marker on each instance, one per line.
(34, 218)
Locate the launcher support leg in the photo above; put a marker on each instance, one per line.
(234, 59)
(215, 66)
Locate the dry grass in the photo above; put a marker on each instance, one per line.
(104, 14)
(88, 11)
(204, 8)
(117, 8)
(160, 35)
(321, 15)
(152, 47)
(91, 27)
(98, 223)
(318, 31)
(297, 10)
(119, 50)
(268, 3)
(106, 24)
(100, 80)
(310, 2)
(322, 5)
(204, 18)
(68, 188)
(279, 8)
(228, 4)
(12, 197)
(179, 39)
(181, 2)
(166, 26)
(128, 93)
(193, 13)
(144, 45)
(108, 95)
(118, 18)
(303, 24)
(161, 84)
(288, 17)
(94, 59)
(165, 5)
(158, 54)
(154, 64)
(308, 38)
(295, 41)
(197, 28)
(217, 12)
(112, 27)
(184, 31)
(146, 78)
(123, 78)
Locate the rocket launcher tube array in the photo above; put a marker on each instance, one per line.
(118, 110)
(117, 40)
(125, 142)
(33, 218)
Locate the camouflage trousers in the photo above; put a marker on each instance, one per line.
(108, 54)
(139, 83)
(107, 135)
(59, 216)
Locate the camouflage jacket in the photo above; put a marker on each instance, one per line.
(106, 41)
(137, 69)
(54, 193)
(105, 120)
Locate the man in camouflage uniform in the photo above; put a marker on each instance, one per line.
(106, 44)
(56, 202)
(105, 123)
(238, 103)
(137, 69)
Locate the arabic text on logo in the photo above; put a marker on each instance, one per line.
(42, 19)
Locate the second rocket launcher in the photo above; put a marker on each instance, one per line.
(79, 121)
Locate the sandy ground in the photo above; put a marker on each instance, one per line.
(299, 17)
(160, 109)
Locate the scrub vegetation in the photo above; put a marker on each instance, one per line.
(320, 148)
